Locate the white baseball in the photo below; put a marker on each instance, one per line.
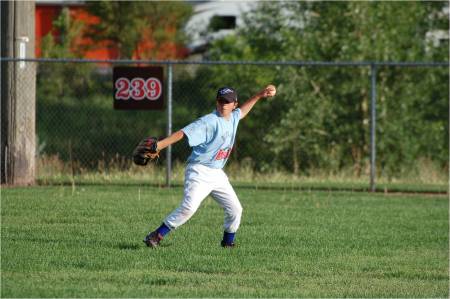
(272, 90)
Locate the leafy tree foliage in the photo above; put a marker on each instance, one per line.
(125, 24)
(54, 78)
(321, 116)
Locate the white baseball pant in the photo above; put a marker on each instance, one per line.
(199, 182)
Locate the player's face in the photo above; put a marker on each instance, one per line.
(225, 108)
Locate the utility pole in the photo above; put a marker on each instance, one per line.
(18, 94)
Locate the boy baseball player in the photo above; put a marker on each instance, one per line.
(211, 138)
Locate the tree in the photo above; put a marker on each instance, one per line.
(55, 78)
(338, 99)
(130, 25)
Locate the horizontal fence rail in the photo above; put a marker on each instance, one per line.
(208, 62)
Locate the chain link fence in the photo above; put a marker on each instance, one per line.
(317, 128)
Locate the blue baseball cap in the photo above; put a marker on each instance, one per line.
(227, 94)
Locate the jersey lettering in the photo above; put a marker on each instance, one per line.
(223, 154)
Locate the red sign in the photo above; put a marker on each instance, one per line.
(138, 88)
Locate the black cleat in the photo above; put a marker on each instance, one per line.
(153, 239)
(226, 245)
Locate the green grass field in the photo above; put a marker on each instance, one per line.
(87, 242)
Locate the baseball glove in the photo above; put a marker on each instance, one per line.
(146, 150)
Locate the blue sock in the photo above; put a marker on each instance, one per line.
(163, 230)
(228, 238)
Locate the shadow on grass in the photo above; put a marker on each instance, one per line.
(129, 246)
(82, 243)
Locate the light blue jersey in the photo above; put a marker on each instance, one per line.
(211, 138)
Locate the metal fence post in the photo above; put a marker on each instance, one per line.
(169, 125)
(373, 122)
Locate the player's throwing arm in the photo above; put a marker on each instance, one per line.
(269, 91)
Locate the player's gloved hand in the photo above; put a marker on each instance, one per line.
(146, 150)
